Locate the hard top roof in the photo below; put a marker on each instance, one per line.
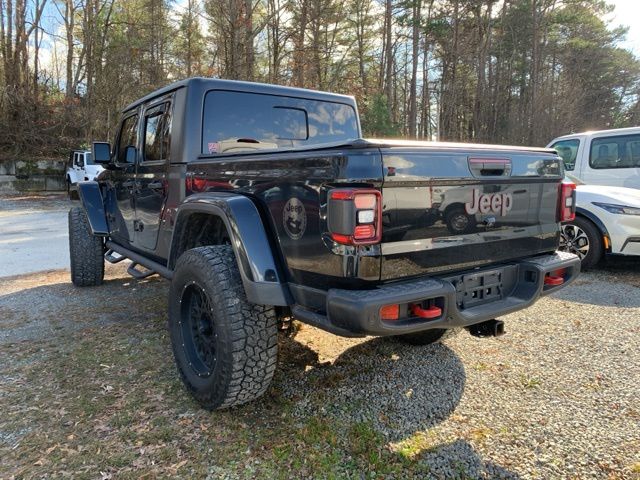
(237, 85)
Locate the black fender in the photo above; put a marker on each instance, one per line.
(597, 222)
(262, 278)
(91, 198)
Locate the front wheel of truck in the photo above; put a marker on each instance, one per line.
(225, 347)
(86, 251)
(425, 337)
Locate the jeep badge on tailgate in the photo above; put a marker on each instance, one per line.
(498, 203)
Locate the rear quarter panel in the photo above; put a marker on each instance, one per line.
(291, 191)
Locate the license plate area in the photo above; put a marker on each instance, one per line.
(479, 288)
(484, 286)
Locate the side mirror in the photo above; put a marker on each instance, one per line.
(101, 152)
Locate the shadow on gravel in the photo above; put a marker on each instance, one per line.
(460, 460)
(398, 388)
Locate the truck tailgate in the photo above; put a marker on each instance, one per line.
(458, 207)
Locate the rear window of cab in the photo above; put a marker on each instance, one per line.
(240, 121)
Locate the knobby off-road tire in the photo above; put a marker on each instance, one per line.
(425, 337)
(86, 251)
(225, 347)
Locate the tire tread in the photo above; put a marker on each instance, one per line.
(86, 251)
(249, 351)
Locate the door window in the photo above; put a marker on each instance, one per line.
(128, 137)
(157, 133)
(568, 151)
(621, 151)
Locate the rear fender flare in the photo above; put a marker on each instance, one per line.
(93, 204)
(262, 278)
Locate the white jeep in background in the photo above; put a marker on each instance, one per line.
(80, 168)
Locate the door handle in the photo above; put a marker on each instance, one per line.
(490, 167)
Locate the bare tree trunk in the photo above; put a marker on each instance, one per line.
(534, 73)
(69, 24)
(388, 52)
(299, 46)
(248, 40)
(413, 89)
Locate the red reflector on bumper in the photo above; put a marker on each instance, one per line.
(431, 312)
(553, 280)
(390, 312)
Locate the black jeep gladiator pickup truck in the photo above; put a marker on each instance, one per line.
(261, 203)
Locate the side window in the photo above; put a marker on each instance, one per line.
(568, 151)
(128, 137)
(157, 133)
(615, 152)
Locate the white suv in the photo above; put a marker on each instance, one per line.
(605, 157)
(80, 169)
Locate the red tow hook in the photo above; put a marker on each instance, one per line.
(430, 312)
(553, 280)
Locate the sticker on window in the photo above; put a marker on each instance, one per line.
(213, 147)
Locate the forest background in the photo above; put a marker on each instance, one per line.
(494, 71)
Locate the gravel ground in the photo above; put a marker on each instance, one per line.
(33, 233)
(556, 397)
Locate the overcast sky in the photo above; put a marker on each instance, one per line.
(627, 13)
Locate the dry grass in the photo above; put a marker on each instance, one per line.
(88, 389)
(104, 400)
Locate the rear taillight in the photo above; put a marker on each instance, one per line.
(567, 202)
(354, 216)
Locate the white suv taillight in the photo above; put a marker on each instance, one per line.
(354, 216)
(566, 202)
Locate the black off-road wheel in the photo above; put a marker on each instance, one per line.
(86, 251)
(225, 347)
(425, 337)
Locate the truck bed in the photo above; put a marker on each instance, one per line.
(422, 183)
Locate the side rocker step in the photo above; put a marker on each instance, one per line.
(138, 274)
(137, 259)
(113, 257)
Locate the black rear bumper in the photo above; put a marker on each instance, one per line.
(464, 299)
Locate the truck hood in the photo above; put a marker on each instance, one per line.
(92, 171)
